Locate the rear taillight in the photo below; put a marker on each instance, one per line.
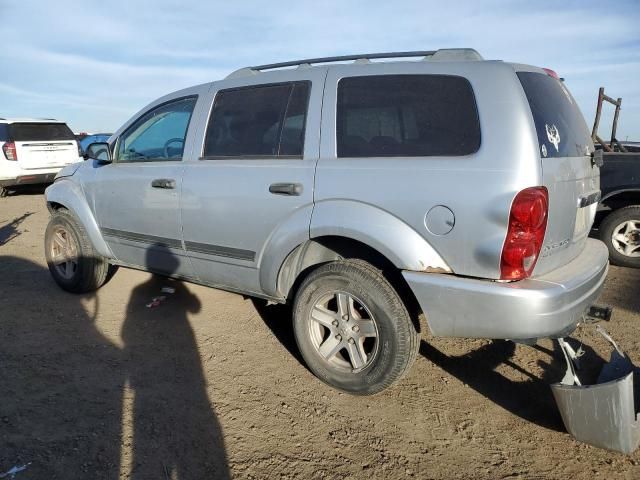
(551, 73)
(527, 225)
(9, 150)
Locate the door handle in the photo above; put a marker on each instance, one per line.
(167, 183)
(293, 189)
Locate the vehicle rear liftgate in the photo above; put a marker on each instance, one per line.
(604, 414)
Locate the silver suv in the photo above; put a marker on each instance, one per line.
(362, 193)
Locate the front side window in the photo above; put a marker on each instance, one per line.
(265, 121)
(159, 135)
(406, 116)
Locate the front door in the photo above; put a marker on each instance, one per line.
(137, 197)
(250, 194)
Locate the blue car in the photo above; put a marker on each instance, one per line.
(89, 139)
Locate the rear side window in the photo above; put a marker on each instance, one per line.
(406, 116)
(561, 129)
(33, 132)
(262, 121)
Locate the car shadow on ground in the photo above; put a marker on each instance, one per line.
(531, 399)
(77, 404)
(36, 189)
(278, 318)
(10, 230)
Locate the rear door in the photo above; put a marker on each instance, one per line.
(568, 172)
(255, 175)
(44, 145)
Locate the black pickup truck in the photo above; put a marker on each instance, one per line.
(618, 217)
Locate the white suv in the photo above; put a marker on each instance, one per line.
(34, 151)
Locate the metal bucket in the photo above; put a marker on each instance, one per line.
(605, 414)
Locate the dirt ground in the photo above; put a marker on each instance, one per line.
(210, 385)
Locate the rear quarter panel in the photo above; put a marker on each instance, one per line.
(478, 188)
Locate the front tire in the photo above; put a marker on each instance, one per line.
(352, 328)
(620, 231)
(73, 262)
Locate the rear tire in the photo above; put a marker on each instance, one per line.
(3, 192)
(352, 328)
(620, 231)
(73, 262)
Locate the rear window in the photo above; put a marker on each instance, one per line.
(561, 129)
(407, 116)
(29, 132)
(4, 132)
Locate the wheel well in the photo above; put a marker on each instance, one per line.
(615, 202)
(622, 199)
(318, 251)
(53, 206)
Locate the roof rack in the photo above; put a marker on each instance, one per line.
(345, 58)
(444, 54)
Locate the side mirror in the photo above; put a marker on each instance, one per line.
(98, 151)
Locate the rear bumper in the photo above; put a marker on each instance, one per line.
(29, 179)
(550, 305)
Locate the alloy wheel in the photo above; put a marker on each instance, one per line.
(64, 253)
(626, 238)
(343, 331)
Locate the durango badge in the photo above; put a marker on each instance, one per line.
(553, 135)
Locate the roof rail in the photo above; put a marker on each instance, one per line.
(344, 58)
(445, 54)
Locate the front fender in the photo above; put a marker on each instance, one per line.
(69, 194)
(378, 229)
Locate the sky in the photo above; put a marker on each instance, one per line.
(94, 64)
